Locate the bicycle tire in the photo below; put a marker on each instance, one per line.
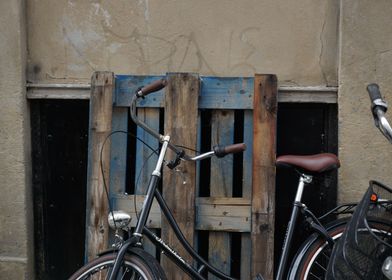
(137, 265)
(311, 260)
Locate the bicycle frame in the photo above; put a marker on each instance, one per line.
(141, 229)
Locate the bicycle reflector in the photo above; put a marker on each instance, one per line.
(373, 197)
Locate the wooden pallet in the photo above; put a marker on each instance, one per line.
(197, 112)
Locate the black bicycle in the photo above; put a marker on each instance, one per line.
(365, 252)
(130, 261)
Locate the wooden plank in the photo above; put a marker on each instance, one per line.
(308, 97)
(119, 147)
(233, 201)
(118, 156)
(126, 87)
(216, 93)
(59, 93)
(230, 214)
(196, 238)
(210, 212)
(304, 94)
(102, 85)
(263, 187)
(226, 93)
(132, 204)
(181, 113)
(246, 243)
(146, 158)
(221, 184)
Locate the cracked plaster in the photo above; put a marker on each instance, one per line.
(69, 40)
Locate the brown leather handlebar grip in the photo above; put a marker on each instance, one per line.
(153, 87)
(235, 148)
(221, 151)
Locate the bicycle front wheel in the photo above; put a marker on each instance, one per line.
(311, 260)
(137, 265)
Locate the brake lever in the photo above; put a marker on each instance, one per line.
(175, 162)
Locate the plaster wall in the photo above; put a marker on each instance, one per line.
(15, 195)
(366, 56)
(296, 40)
(300, 41)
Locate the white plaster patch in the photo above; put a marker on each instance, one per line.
(80, 38)
(83, 39)
(76, 67)
(100, 11)
(146, 9)
(113, 47)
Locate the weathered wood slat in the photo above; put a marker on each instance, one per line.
(216, 214)
(232, 201)
(292, 94)
(226, 93)
(308, 97)
(247, 155)
(102, 86)
(126, 87)
(181, 115)
(119, 147)
(146, 158)
(246, 244)
(132, 204)
(223, 217)
(263, 187)
(221, 184)
(215, 93)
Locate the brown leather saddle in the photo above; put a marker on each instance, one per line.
(318, 163)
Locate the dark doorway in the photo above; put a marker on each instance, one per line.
(304, 129)
(59, 152)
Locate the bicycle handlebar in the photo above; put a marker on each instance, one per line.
(218, 151)
(221, 151)
(379, 108)
(150, 88)
(374, 92)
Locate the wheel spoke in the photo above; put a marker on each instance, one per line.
(315, 277)
(321, 266)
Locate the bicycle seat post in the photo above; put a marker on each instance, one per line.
(303, 179)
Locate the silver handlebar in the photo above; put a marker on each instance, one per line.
(383, 124)
(180, 152)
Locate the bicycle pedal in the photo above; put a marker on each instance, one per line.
(258, 277)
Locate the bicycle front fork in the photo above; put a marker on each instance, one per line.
(304, 179)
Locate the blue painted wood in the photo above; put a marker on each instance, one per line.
(247, 155)
(246, 242)
(226, 93)
(126, 86)
(221, 185)
(197, 187)
(145, 160)
(118, 155)
(215, 93)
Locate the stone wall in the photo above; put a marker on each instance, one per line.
(16, 229)
(365, 56)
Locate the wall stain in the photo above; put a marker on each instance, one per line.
(78, 51)
(176, 53)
